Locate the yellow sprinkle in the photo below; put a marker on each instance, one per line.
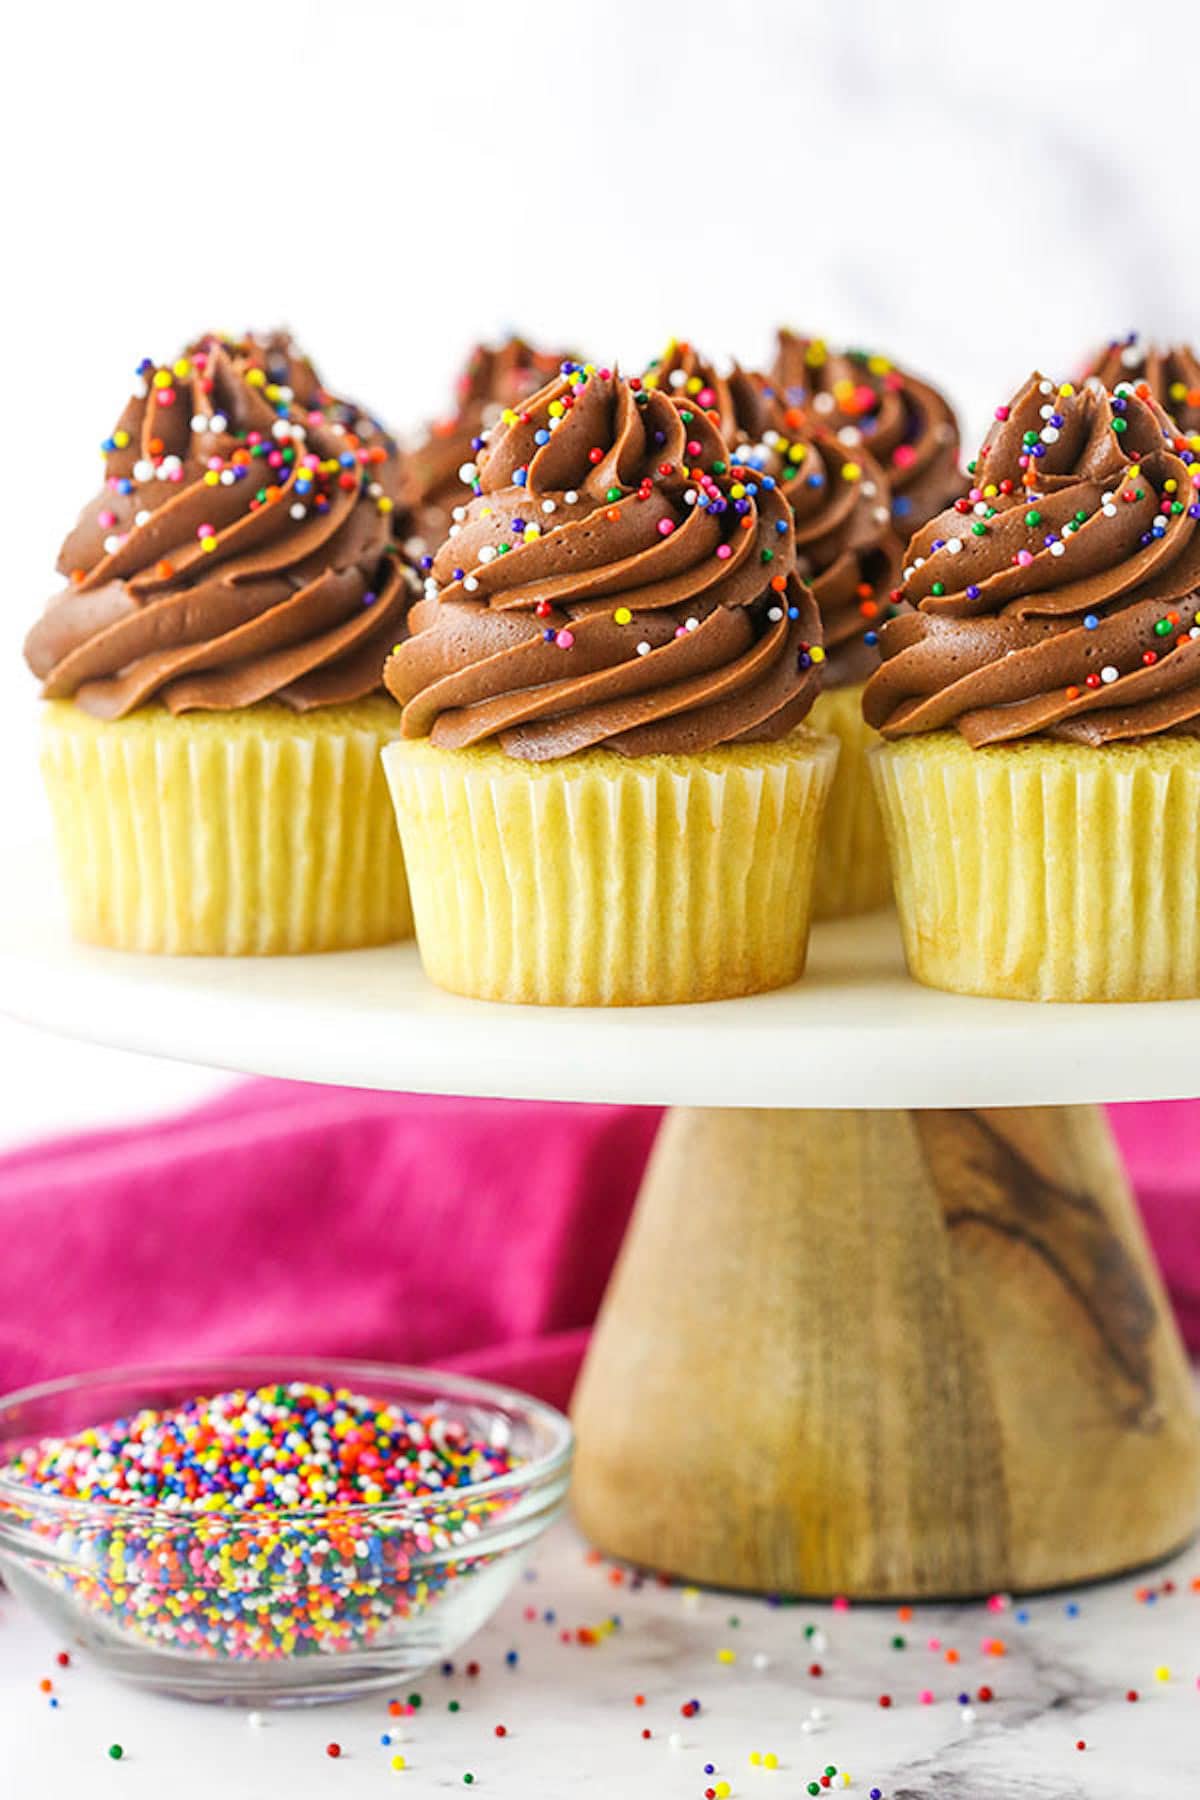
(755, 1759)
(508, 416)
(845, 1778)
(1162, 1673)
(650, 381)
(1135, 471)
(795, 453)
(398, 1762)
(530, 532)
(162, 378)
(384, 504)
(273, 391)
(815, 355)
(255, 378)
(722, 1790)
(121, 439)
(1170, 486)
(182, 369)
(1066, 389)
(622, 616)
(990, 491)
(211, 478)
(851, 471)
(879, 365)
(770, 1760)
(738, 490)
(556, 409)
(1177, 390)
(817, 654)
(726, 1656)
(694, 384)
(208, 543)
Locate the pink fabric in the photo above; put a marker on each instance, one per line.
(473, 1234)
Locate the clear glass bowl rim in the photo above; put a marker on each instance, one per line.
(260, 1370)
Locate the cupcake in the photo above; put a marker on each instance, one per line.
(848, 552)
(212, 669)
(602, 786)
(1171, 373)
(496, 376)
(869, 403)
(1041, 779)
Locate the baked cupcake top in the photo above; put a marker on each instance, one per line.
(868, 402)
(845, 544)
(1171, 373)
(495, 376)
(616, 579)
(1058, 598)
(240, 547)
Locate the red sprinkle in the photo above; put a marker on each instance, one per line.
(885, 1699)
(333, 1749)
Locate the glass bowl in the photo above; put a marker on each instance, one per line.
(264, 1606)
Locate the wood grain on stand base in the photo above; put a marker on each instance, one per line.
(887, 1354)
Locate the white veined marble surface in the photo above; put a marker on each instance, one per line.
(574, 1728)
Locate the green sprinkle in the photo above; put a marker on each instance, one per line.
(453, 1707)
(719, 468)
(614, 493)
(116, 1751)
(1081, 518)
(938, 588)
(1119, 425)
(468, 1778)
(899, 1643)
(1030, 437)
(414, 1699)
(1163, 627)
(768, 556)
(979, 529)
(1033, 517)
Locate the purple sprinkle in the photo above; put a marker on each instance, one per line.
(457, 574)
(370, 597)
(972, 592)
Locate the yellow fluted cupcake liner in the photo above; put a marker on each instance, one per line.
(254, 832)
(853, 873)
(603, 880)
(1047, 871)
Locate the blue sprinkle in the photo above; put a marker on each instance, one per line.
(386, 1739)
(793, 612)
(901, 506)
(1022, 1616)
(1072, 1609)
(548, 636)
(541, 437)
(781, 526)
(512, 1659)
(871, 637)
(972, 591)
(520, 477)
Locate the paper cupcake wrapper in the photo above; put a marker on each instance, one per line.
(603, 880)
(853, 873)
(254, 832)
(1047, 871)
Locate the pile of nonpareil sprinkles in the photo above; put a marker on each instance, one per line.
(245, 1537)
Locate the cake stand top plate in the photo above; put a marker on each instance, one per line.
(855, 1033)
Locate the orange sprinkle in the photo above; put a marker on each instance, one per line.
(164, 569)
(1072, 693)
(779, 582)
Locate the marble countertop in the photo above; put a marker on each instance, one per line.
(573, 1726)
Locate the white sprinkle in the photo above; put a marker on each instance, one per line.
(953, 545)
(675, 1741)
(468, 471)
(139, 518)
(677, 377)
(227, 477)
(1045, 387)
(549, 506)
(1131, 356)
(819, 1642)
(1045, 412)
(1109, 510)
(458, 514)
(570, 497)
(199, 422)
(470, 584)
(980, 508)
(297, 511)
(691, 624)
(255, 1720)
(281, 430)
(218, 422)
(967, 1715)
(643, 649)
(111, 543)
(816, 1715)
(1050, 434)
(1108, 673)
(143, 469)
(761, 1660)
(1058, 549)
(774, 614)
(488, 553)
(431, 588)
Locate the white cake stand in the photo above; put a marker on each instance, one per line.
(863, 1337)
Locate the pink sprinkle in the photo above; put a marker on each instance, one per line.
(694, 447)
(203, 531)
(904, 456)
(1002, 413)
(706, 397)
(724, 552)
(1024, 557)
(934, 1644)
(106, 519)
(681, 631)
(166, 396)
(840, 1603)
(565, 639)
(925, 1697)
(666, 527)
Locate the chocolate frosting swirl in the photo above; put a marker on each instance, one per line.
(239, 550)
(494, 378)
(867, 401)
(616, 580)
(1171, 374)
(846, 547)
(1059, 597)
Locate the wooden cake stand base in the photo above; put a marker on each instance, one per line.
(887, 1355)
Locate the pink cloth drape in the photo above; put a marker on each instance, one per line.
(472, 1234)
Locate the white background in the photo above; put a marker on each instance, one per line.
(972, 192)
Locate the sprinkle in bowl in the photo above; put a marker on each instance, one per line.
(271, 1529)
